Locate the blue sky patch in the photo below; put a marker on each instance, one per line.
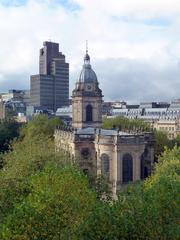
(159, 22)
(13, 2)
(162, 22)
(67, 4)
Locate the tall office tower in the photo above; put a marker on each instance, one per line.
(50, 88)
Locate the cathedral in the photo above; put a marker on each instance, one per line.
(121, 157)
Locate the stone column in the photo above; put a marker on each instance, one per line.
(114, 167)
(98, 171)
(136, 166)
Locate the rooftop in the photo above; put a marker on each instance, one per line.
(104, 132)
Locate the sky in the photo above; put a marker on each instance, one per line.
(134, 45)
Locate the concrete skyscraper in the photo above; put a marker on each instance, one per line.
(50, 88)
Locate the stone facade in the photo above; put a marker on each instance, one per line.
(80, 108)
(2, 110)
(120, 156)
(87, 99)
(169, 126)
(107, 152)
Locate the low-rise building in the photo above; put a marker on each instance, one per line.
(2, 110)
(175, 103)
(106, 108)
(171, 127)
(118, 104)
(16, 95)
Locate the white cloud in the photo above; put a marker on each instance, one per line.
(1, 76)
(132, 8)
(128, 39)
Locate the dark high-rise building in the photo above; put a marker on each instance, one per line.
(50, 88)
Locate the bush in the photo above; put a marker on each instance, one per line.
(142, 211)
(44, 196)
(58, 201)
(9, 130)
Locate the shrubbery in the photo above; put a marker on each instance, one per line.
(9, 129)
(44, 196)
(149, 210)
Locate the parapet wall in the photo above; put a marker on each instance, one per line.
(63, 140)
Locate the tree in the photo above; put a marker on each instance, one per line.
(162, 191)
(125, 124)
(149, 210)
(40, 187)
(29, 154)
(9, 129)
(176, 141)
(161, 141)
(44, 196)
(41, 125)
(58, 202)
(102, 186)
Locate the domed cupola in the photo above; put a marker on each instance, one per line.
(87, 74)
(87, 98)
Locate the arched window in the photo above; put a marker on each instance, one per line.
(105, 164)
(127, 168)
(89, 113)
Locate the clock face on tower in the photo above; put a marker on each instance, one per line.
(89, 87)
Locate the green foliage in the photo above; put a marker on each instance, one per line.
(176, 141)
(163, 191)
(161, 141)
(123, 123)
(39, 126)
(102, 186)
(27, 158)
(119, 219)
(58, 202)
(9, 129)
(10, 113)
(142, 211)
(44, 196)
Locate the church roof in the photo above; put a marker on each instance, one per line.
(87, 74)
(104, 132)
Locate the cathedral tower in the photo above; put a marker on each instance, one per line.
(87, 98)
